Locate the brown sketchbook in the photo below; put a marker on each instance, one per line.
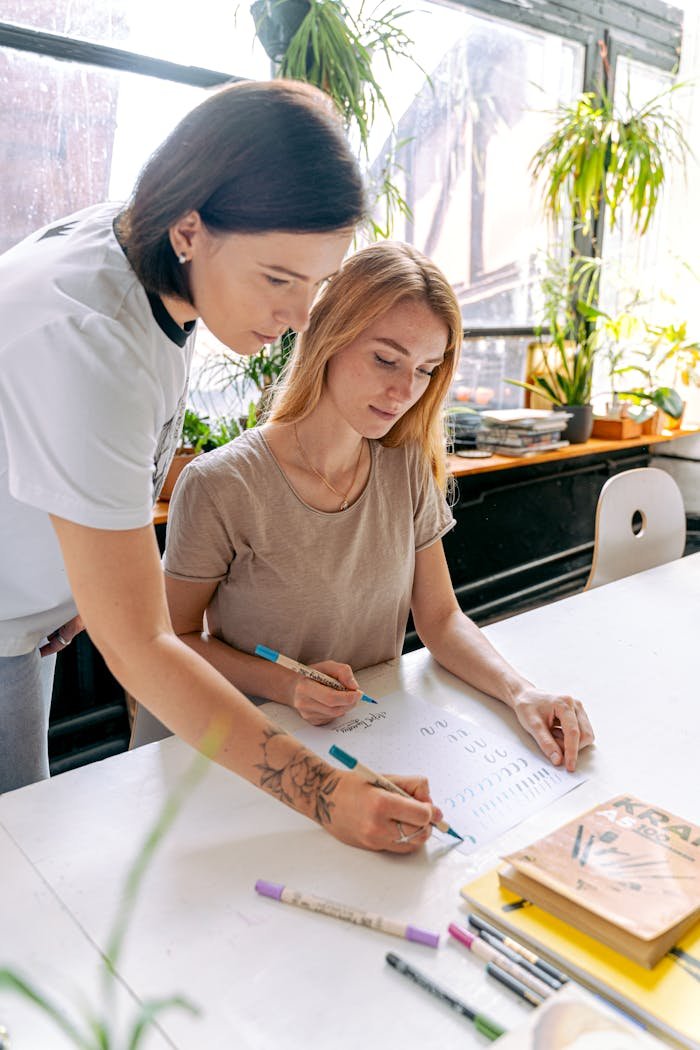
(625, 873)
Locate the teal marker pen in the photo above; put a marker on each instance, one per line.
(309, 672)
(379, 781)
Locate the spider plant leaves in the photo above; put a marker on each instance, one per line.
(334, 50)
(15, 983)
(598, 156)
(538, 386)
(150, 1012)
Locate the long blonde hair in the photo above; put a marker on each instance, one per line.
(369, 284)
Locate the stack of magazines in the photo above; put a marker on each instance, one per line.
(522, 431)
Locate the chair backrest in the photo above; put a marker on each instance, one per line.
(639, 523)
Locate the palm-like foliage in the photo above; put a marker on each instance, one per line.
(597, 154)
(568, 350)
(335, 50)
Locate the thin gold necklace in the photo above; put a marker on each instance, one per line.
(343, 497)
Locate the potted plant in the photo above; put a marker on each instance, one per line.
(334, 50)
(276, 22)
(637, 350)
(600, 156)
(198, 435)
(672, 345)
(563, 355)
(662, 406)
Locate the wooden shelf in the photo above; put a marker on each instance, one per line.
(459, 466)
(160, 512)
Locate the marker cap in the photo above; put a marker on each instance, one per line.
(463, 936)
(268, 654)
(342, 756)
(269, 889)
(413, 933)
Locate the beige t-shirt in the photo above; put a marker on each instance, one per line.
(312, 585)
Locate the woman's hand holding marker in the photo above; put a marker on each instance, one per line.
(383, 820)
(319, 704)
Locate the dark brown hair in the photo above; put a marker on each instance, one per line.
(253, 157)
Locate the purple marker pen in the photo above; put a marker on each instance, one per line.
(347, 912)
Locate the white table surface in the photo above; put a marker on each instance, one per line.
(270, 975)
(42, 942)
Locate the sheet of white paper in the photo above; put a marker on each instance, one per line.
(484, 784)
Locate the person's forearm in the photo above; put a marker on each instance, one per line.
(197, 704)
(458, 644)
(251, 674)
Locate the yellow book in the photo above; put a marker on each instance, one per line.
(666, 999)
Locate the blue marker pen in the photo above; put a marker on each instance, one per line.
(308, 672)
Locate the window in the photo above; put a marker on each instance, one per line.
(72, 135)
(77, 132)
(216, 34)
(470, 134)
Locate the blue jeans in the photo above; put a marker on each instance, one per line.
(25, 699)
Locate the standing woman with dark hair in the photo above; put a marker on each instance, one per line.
(239, 218)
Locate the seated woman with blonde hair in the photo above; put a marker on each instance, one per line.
(316, 533)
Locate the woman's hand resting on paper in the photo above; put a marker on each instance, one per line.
(319, 704)
(376, 819)
(559, 724)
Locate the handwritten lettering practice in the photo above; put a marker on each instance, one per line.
(485, 784)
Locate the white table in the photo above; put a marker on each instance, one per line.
(269, 975)
(42, 941)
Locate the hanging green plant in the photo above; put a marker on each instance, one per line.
(334, 50)
(598, 155)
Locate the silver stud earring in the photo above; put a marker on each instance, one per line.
(182, 258)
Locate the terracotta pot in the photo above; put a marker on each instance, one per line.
(180, 461)
(654, 424)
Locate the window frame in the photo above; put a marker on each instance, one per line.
(649, 31)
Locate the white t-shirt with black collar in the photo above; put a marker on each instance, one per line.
(93, 380)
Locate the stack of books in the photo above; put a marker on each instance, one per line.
(612, 898)
(522, 431)
(625, 873)
(464, 427)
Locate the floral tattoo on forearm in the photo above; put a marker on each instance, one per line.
(302, 781)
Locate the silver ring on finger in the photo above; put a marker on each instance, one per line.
(61, 639)
(403, 837)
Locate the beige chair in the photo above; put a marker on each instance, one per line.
(639, 523)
